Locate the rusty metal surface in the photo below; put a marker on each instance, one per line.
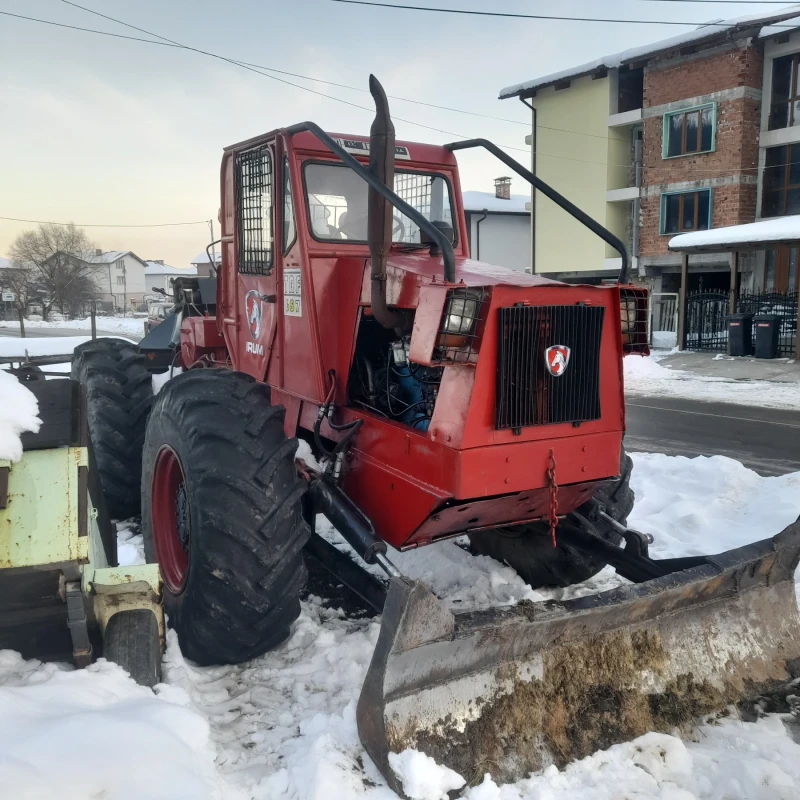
(511, 690)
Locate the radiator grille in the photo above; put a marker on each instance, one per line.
(527, 392)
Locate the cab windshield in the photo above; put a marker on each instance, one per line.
(337, 204)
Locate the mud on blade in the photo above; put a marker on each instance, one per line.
(510, 690)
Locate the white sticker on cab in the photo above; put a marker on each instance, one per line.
(292, 293)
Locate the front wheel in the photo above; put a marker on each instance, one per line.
(527, 548)
(222, 515)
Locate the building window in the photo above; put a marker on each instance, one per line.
(689, 131)
(120, 280)
(781, 181)
(682, 212)
(784, 110)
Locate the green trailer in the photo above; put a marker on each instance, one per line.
(63, 595)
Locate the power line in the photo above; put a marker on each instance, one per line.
(510, 15)
(256, 68)
(98, 225)
(250, 69)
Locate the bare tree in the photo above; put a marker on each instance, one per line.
(22, 281)
(61, 258)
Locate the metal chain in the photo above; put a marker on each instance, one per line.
(552, 517)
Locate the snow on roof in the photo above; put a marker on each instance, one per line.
(705, 31)
(202, 258)
(488, 201)
(780, 229)
(154, 268)
(108, 258)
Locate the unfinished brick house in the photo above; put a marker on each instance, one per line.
(701, 131)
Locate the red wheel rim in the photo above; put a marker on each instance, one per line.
(170, 519)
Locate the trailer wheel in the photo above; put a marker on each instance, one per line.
(119, 393)
(222, 515)
(528, 550)
(131, 640)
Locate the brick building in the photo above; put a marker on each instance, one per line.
(701, 131)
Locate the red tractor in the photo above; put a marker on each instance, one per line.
(444, 397)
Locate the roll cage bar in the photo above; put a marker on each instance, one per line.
(438, 236)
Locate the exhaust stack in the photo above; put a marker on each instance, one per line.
(379, 210)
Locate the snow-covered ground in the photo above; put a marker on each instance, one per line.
(646, 376)
(282, 727)
(129, 325)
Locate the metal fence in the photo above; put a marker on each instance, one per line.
(784, 306)
(706, 328)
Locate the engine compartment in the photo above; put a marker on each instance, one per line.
(383, 380)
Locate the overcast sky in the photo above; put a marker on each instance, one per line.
(101, 130)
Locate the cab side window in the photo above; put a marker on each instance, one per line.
(253, 172)
(289, 228)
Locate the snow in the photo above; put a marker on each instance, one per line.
(645, 376)
(709, 29)
(422, 777)
(154, 268)
(488, 201)
(781, 229)
(18, 414)
(128, 325)
(39, 346)
(94, 733)
(283, 726)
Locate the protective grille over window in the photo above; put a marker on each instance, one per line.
(254, 210)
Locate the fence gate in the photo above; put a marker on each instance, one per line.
(783, 305)
(705, 321)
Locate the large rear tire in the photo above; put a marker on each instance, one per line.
(528, 549)
(222, 515)
(119, 394)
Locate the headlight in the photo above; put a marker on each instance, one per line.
(460, 315)
(627, 316)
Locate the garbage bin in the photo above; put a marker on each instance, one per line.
(768, 331)
(740, 334)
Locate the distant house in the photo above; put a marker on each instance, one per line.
(120, 278)
(6, 295)
(157, 273)
(202, 263)
(499, 226)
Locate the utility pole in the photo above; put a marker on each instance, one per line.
(124, 290)
(213, 246)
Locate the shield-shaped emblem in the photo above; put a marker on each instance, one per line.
(252, 308)
(557, 358)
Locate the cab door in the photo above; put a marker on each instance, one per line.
(256, 259)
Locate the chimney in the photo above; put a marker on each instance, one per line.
(159, 261)
(98, 252)
(502, 188)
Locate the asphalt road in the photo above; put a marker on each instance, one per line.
(764, 439)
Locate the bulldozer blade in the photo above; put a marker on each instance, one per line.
(510, 690)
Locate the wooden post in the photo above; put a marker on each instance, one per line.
(682, 301)
(94, 319)
(734, 280)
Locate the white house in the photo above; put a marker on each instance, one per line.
(202, 263)
(499, 226)
(120, 278)
(157, 273)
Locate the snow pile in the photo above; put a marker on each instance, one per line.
(422, 777)
(129, 325)
(703, 505)
(782, 229)
(94, 733)
(644, 375)
(18, 412)
(130, 545)
(40, 346)
(727, 760)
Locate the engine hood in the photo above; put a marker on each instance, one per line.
(468, 271)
